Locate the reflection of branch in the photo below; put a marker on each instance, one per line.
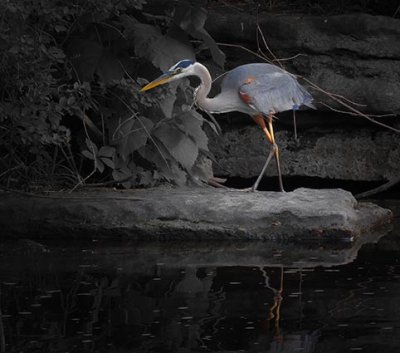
(378, 189)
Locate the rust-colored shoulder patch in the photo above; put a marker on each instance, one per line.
(245, 97)
(250, 79)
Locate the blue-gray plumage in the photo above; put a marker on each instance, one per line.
(260, 90)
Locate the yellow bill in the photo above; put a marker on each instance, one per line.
(157, 82)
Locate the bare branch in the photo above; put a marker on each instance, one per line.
(379, 189)
(242, 48)
(289, 58)
(70, 159)
(348, 106)
(347, 103)
(354, 114)
(267, 47)
(133, 116)
(145, 129)
(82, 181)
(87, 121)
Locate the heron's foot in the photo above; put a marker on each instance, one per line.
(217, 182)
(250, 189)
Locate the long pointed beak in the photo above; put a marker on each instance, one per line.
(164, 78)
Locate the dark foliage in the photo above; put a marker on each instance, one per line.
(70, 107)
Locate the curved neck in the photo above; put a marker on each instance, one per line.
(211, 105)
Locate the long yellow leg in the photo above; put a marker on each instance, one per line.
(275, 310)
(276, 151)
(269, 133)
(278, 335)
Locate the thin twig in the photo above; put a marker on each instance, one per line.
(71, 162)
(133, 116)
(267, 47)
(111, 182)
(241, 47)
(378, 189)
(145, 129)
(354, 114)
(54, 163)
(87, 121)
(10, 170)
(112, 27)
(103, 128)
(82, 181)
(397, 11)
(336, 97)
(230, 6)
(289, 58)
(354, 110)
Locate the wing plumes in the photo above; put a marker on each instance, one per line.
(274, 92)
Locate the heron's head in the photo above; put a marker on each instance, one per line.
(181, 69)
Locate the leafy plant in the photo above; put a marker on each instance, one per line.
(70, 108)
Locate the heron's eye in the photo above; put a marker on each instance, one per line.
(178, 70)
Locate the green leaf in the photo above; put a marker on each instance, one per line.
(133, 134)
(91, 146)
(175, 174)
(88, 154)
(108, 162)
(56, 53)
(202, 169)
(63, 101)
(85, 55)
(192, 123)
(71, 100)
(192, 20)
(167, 103)
(171, 171)
(145, 178)
(162, 50)
(106, 151)
(109, 68)
(99, 165)
(182, 148)
(123, 175)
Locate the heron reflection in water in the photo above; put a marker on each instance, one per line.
(260, 90)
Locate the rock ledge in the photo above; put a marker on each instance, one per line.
(190, 214)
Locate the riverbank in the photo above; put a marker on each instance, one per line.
(190, 214)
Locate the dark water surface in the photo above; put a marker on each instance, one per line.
(249, 297)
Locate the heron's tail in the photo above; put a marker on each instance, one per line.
(307, 98)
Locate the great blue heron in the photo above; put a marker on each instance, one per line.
(260, 90)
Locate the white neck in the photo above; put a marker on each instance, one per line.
(211, 105)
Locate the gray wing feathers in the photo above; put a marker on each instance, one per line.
(276, 92)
